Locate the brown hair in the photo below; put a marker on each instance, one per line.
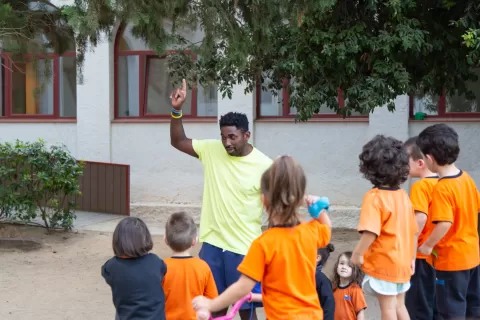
(131, 238)
(283, 186)
(413, 149)
(180, 231)
(357, 273)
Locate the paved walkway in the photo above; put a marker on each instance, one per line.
(105, 222)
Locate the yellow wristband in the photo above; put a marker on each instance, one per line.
(176, 117)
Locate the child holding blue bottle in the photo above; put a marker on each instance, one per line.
(283, 258)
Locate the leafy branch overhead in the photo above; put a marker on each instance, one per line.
(371, 50)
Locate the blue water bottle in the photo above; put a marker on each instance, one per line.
(321, 204)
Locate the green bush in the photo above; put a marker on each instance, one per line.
(38, 181)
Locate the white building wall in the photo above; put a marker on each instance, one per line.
(95, 105)
(51, 133)
(161, 175)
(158, 172)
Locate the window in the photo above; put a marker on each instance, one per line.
(45, 88)
(143, 85)
(277, 105)
(447, 106)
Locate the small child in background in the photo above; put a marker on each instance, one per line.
(323, 284)
(283, 258)
(420, 298)
(387, 248)
(349, 299)
(454, 211)
(187, 276)
(134, 274)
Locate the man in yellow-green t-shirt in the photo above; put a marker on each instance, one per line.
(232, 206)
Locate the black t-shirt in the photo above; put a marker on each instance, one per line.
(325, 294)
(137, 286)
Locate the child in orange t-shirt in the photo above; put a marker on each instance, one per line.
(187, 276)
(284, 257)
(420, 298)
(454, 211)
(347, 291)
(387, 247)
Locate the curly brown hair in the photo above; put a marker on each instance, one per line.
(384, 162)
(357, 273)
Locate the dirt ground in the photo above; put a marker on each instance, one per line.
(62, 281)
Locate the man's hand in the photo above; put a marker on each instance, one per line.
(178, 96)
(357, 259)
(201, 303)
(424, 249)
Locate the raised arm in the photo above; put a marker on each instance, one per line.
(178, 139)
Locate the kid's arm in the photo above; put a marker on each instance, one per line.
(421, 219)
(438, 233)
(325, 219)
(360, 303)
(256, 297)
(211, 288)
(235, 292)
(361, 315)
(442, 215)
(106, 274)
(365, 242)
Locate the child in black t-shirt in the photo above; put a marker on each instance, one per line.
(134, 274)
(323, 284)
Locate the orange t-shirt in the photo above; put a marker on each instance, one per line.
(455, 199)
(389, 214)
(421, 197)
(186, 278)
(283, 259)
(349, 301)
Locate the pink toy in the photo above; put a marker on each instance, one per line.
(235, 308)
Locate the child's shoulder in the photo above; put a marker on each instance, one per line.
(378, 195)
(426, 182)
(189, 262)
(321, 277)
(350, 289)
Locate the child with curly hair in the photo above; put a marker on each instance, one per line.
(347, 291)
(387, 248)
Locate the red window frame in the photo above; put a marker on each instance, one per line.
(442, 109)
(145, 57)
(286, 105)
(7, 102)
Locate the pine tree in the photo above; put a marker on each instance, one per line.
(34, 28)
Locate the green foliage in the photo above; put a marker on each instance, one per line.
(35, 28)
(37, 180)
(373, 50)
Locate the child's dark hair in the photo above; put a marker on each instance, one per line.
(180, 231)
(131, 238)
(384, 162)
(357, 273)
(235, 119)
(324, 253)
(441, 142)
(413, 149)
(283, 186)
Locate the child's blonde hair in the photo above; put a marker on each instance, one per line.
(283, 187)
